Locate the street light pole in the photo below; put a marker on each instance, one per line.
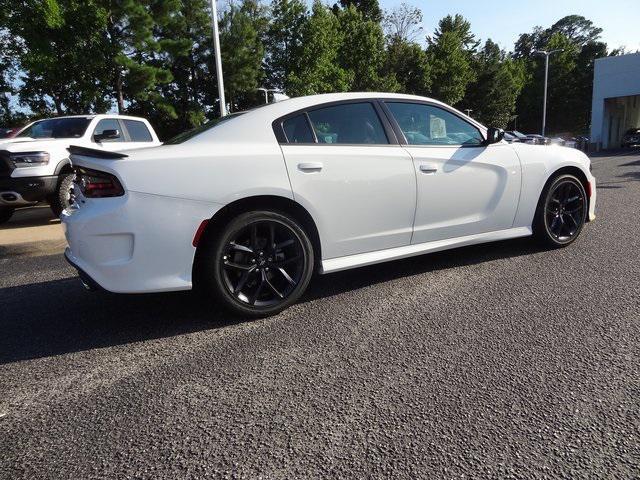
(468, 110)
(546, 81)
(216, 49)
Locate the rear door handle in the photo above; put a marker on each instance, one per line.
(310, 166)
(428, 169)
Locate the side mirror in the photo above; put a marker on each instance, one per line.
(494, 135)
(107, 135)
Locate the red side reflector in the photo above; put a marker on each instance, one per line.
(589, 189)
(199, 232)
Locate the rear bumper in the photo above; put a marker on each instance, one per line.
(136, 243)
(20, 191)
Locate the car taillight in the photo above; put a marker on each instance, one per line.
(96, 184)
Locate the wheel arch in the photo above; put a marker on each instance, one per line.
(576, 172)
(64, 166)
(259, 202)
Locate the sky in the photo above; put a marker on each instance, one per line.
(503, 22)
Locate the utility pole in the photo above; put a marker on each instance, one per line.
(546, 82)
(216, 49)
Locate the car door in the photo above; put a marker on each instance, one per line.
(347, 169)
(464, 186)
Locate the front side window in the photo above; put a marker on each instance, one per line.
(138, 131)
(57, 128)
(108, 124)
(349, 123)
(428, 125)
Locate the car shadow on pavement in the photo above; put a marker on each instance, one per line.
(57, 317)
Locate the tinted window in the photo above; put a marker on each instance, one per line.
(138, 131)
(57, 128)
(297, 130)
(194, 132)
(352, 123)
(428, 125)
(108, 124)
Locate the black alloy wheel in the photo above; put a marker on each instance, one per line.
(562, 216)
(263, 263)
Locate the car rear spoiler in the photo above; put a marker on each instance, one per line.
(95, 152)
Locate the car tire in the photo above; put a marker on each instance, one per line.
(259, 264)
(5, 214)
(561, 213)
(61, 198)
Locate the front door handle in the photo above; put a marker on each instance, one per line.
(310, 166)
(428, 169)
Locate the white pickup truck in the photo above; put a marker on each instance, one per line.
(35, 166)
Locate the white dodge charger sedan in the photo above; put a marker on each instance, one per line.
(248, 207)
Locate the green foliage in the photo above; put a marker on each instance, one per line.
(362, 52)
(284, 41)
(319, 70)
(155, 58)
(499, 80)
(408, 64)
(570, 75)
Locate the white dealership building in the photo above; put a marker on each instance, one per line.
(616, 99)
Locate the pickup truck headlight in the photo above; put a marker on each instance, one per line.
(29, 159)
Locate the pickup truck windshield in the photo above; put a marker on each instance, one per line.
(57, 128)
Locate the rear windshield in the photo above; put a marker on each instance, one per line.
(57, 128)
(189, 134)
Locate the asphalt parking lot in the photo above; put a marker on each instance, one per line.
(495, 361)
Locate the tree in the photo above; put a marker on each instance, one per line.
(499, 80)
(408, 63)
(319, 70)
(362, 52)
(450, 57)
(184, 49)
(403, 23)
(370, 9)
(241, 30)
(570, 74)
(59, 72)
(284, 41)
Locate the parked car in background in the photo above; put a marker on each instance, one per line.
(536, 139)
(9, 132)
(35, 165)
(248, 207)
(631, 138)
(521, 137)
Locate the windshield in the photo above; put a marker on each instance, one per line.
(189, 134)
(57, 128)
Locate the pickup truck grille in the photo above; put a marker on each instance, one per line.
(6, 165)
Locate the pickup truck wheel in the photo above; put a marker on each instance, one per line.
(61, 199)
(5, 214)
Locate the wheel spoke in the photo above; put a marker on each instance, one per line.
(286, 276)
(553, 225)
(272, 287)
(572, 219)
(243, 281)
(238, 266)
(242, 248)
(258, 291)
(572, 199)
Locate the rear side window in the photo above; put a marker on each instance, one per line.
(297, 130)
(350, 123)
(109, 124)
(138, 131)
